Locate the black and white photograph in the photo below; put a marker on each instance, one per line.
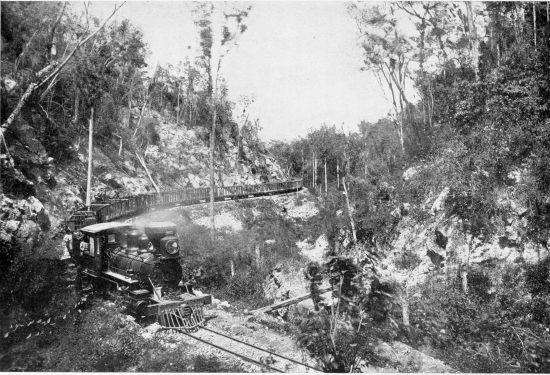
(275, 186)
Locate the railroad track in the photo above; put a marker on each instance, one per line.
(263, 358)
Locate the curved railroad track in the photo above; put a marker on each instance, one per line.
(263, 358)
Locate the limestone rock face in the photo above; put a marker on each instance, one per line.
(440, 244)
(181, 159)
(22, 224)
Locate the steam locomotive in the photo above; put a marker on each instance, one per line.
(142, 263)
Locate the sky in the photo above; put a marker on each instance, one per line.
(300, 61)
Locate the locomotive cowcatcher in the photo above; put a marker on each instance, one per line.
(144, 265)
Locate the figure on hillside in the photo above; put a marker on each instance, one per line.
(276, 275)
(313, 274)
(193, 280)
(68, 243)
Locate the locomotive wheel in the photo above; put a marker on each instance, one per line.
(140, 308)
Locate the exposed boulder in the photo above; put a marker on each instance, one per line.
(436, 258)
(37, 212)
(514, 177)
(9, 85)
(314, 252)
(15, 182)
(410, 173)
(22, 223)
(407, 356)
(439, 203)
(440, 239)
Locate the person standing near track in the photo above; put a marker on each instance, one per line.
(67, 244)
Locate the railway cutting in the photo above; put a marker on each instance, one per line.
(142, 263)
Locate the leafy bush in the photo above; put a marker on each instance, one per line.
(103, 341)
(31, 283)
(246, 288)
(494, 329)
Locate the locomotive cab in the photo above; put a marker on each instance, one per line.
(92, 244)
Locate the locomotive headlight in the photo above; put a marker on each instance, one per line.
(172, 247)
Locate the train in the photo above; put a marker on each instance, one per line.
(143, 263)
(121, 208)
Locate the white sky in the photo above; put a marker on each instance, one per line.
(299, 60)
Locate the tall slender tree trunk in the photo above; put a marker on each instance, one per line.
(237, 164)
(76, 106)
(326, 186)
(130, 103)
(148, 99)
(178, 107)
(258, 256)
(302, 168)
(313, 170)
(316, 171)
(405, 305)
(212, 187)
(350, 215)
(464, 269)
(464, 279)
(534, 25)
(239, 144)
(142, 162)
(338, 175)
(90, 154)
(474, 42)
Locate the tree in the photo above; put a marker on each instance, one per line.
(50, 72)
(242, 119)
(219, 28)
(387, 51)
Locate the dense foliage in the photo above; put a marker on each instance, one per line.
(479, 126)
(108, 74)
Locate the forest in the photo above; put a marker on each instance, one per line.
(437, 216)
(477, 139)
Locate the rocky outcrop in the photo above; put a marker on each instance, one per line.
(22, 225)
(181, 159)
(439, 243)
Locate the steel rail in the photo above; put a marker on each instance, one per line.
(234, 353)
(262, 349)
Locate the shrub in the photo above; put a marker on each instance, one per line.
(31, 283)
(104, 340)
(493, 329)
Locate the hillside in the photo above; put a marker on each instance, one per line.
(421, 237)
